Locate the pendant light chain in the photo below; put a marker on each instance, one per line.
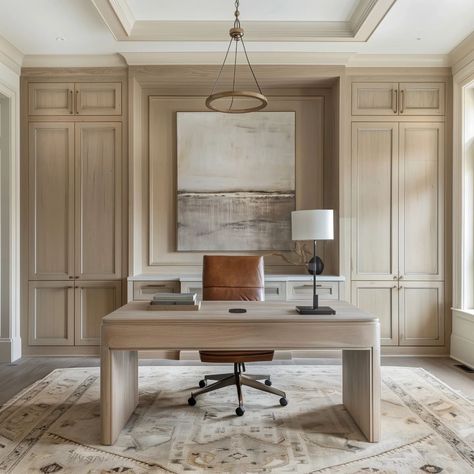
(236, 34)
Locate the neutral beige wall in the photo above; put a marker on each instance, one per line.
(157, 174)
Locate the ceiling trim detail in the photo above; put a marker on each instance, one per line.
(119, 18)
(10, 56)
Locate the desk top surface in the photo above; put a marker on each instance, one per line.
(218, 311)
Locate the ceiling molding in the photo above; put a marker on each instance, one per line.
(215, 58)
(463, 54)
(10, 56)
(292, 58)
(74, 60)
(119, 18)
(399, 60)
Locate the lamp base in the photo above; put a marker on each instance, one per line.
(318, 310)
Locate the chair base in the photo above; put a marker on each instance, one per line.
(238, 379)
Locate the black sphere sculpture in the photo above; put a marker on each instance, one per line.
(318, 267)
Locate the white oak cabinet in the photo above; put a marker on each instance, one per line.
(398, 210)
(379, 298)
(92, 301)
(421, 315)
(98, 200)
(80, 98)
(393, 98)
(398, 201)
(75, 201)
(51, 201)
(51, 313)
(66, 313)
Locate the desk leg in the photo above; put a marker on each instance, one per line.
(361, 389)
(118, 391)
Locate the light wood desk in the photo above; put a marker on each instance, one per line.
(264, 326)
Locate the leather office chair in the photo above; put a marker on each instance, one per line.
(235, 278)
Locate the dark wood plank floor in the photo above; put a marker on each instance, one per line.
(18, 375)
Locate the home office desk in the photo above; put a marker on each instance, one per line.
(266, 325)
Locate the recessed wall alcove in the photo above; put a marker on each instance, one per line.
(157, 93)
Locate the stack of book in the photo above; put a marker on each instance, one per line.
(174, 302)
(167, 299)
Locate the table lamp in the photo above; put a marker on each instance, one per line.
(316, 224)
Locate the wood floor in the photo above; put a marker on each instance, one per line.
(15, 377)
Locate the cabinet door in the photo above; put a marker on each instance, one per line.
(381, 299)
(421, 205)
(374, 98)
(50, 98)
(93, 301)
(51, 201)
(98, 98)
(421, 313)
(421, 98)
(98, 201)
(51, 313)
(374, 201)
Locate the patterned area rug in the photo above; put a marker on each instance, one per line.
(53, 426)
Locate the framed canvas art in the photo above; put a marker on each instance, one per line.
(236, 181)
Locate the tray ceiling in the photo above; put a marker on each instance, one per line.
(265, 20)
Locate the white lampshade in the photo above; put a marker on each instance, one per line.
(316, 224)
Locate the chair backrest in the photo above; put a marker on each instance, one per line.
(233, 278)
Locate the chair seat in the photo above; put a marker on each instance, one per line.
(236, 356)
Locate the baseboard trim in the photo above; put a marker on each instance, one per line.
(462, 350)
(10, 349)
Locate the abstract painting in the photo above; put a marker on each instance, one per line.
(236, 181)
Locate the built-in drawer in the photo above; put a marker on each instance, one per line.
(275, 290)
(144, 290)
(297, 290)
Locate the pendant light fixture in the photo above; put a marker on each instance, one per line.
(236, 101)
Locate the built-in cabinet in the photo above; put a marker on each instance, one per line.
(398, 98)
(75, 210)
(69, 98)
(398, 212)
(277, 287)
(64, 313)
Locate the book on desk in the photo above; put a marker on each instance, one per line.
(174, 302)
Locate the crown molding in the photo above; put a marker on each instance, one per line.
(73, 60)
(399, 60)
(352, 60)
(215, 58)
(119, 18)
(10, 56)
(463, 54)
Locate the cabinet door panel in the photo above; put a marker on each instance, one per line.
(374, 98)
(98, 200)
(381, 299)
(422, 98)
(51, 201)
(96, 98)
(50, 98)
(374, 201)
(421, 241)
(93, 301)
(51, 313)
(422, 314)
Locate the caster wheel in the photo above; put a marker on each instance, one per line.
(202, 383)
(268, 382)
(283, 402)
(192, 401)
(239, 411)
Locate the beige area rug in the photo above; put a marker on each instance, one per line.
(53, 426)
